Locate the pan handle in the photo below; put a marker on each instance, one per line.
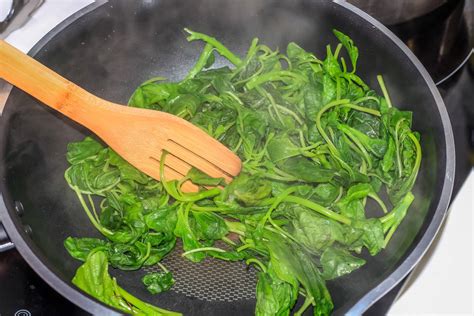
(5, 243)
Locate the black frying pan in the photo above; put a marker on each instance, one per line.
(110, 48)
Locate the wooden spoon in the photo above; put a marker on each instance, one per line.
(138, 135)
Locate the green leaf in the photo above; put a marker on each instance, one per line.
(127, 256)
(307, 171)
(376, 146)
(91, 179)
(312, 230)
(281, 147)
(93, 278)
(183, 105)
(331, 66)
(79, 151)
(392, 220)
(348, 44)
(163, 219)
(208, 226)
(337, 262)
(304, 268)
(403, 185)
(160, 249)
(247, 190)
(274, 296)
(153, 95)
(157, 282)
(127, 171)
(80, 248)
(373, 236)
(389, 156)
(200, 178)
(189, 238)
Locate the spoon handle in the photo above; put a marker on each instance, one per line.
(44, 84)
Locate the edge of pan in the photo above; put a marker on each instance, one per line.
(441, 210)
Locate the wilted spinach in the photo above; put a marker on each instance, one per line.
(93, 278)
(157, 282)
(315, 141)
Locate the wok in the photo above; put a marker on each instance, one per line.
(109, 48)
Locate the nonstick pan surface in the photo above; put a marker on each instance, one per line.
(111, 47)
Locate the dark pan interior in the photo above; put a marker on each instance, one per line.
(114, 48)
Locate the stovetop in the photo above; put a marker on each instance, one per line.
(442, 40)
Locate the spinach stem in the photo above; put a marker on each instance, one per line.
(236, 227)
(243, 247)
(366, 98)
(416, 166)
(91, 202)
(162, 267)
(257, 262)
(228, 241)
(145, 307)
(362, 109)
(272, 102)
(279, 75)
(275, 204)
(377, 199)
(356, 141)
(307, 303)
(332, 104)
(384, 90)
(184, 254)
(318, 208)
(290, 112)
(94, 222)
(175, 193)
(220, 48)
(397, 147)
(203, 58)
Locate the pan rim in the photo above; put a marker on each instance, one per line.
(442, 208)
(90, 304)
(19, 238)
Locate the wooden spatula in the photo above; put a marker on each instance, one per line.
(138, 135)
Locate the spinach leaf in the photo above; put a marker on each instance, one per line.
(304, 268)
(163, 219)
(312, 230)
(152, 95)
(200, 178)
(372, 236)
(80, 248)
(350, 47)
(187, 235)
(157, 282)
(315, 143)
(79, 151)
(208, 226)
(247, 190)
(305, 170)
(94, 279)
(274, 296)
(127, 171)
(337, 262)
(281, 147)
(128, 256)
